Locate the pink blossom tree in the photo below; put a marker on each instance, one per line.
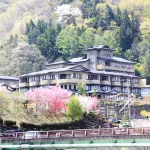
(56, 99)
(88, 103)
(53, 97)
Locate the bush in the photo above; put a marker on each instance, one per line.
(29, 126)
(1, 121)
(9, 123)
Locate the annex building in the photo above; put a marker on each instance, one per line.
(99, 70)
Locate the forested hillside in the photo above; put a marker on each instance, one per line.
(35, 32)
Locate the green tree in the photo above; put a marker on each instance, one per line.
(82, 89)
(146, 63)
(4, 103)
(46, 44)
(124, 120)
(23, 58)
(74, 108)
(118, 17)
(68, 42)
(86, 40)
(109, 16)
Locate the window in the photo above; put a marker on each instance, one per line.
(75, 75)
(52, 77)
(115, 79)
(62, 86)
(107, 63)
(24, 80)
(65, 86)
(80, 76)
(124, 66)
(75, 87)
(104, 78)
(69, 87)
(33, 78)
(105, 88)
(88, 87)
(44, 77)
(95, 87)
(62, 76)
(92, 77)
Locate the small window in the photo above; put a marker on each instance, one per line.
(62, 86)
(44, 77)
(69, 87)
(75, 75)
(75, 87)
(65, 86)
(80, 76)
(52, 77)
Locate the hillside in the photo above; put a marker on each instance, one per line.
(65, 28)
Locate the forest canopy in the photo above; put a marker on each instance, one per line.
(66, 28)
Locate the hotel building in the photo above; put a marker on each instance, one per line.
(99, 70)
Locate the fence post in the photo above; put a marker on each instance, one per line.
(72, 133)
(85, 133)
(112, 132)
(47, 134)
(127, 131)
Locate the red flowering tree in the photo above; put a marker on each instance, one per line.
(56, 99)
(53, 98)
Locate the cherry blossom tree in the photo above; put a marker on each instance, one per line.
(53, 98)
(88, 103)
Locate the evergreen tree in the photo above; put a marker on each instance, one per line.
(118, 17)
(125, 32)
(109, 14)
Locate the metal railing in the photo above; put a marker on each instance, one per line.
(82, 133)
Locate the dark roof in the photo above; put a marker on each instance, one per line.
(116, 59)
(68, 68)
(9, 78)
(71, 61)
(105, 47)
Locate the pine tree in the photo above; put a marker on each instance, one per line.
(118, 18)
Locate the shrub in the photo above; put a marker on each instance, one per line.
(9, 123)
(29, 126)
(1, 121)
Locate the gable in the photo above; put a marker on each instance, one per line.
(79, 68)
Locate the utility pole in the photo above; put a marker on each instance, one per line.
(129, 110)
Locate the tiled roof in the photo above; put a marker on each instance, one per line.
(122, 60)
(71, 61)
(116, 59)
(112, 73)
(68, 68)
(9, 78)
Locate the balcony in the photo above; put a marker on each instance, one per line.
(126, 84)
(45, 82)
(115, 83)
(34, 83)
(100, 67)
(105, 82)
(103, 67)
(73, 80)
(24, 84)
(136, 85)
(93, 81)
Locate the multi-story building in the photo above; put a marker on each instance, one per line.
(9, 80)
(12, 83)
(100, 70)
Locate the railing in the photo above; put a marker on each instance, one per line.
(101, 132)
